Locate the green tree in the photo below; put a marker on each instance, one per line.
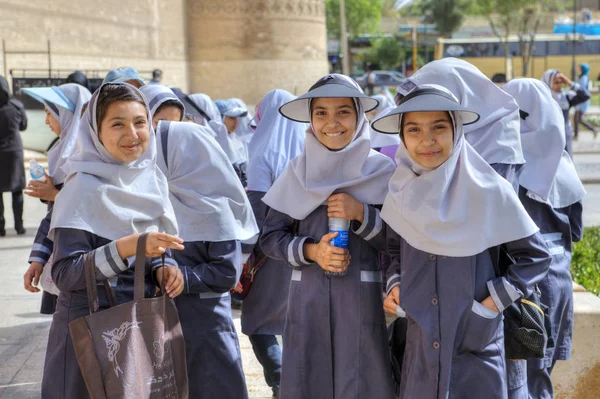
(362, 16)
(516, 17)
(447, 15)
(385, 52)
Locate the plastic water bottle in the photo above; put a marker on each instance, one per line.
(36, 170)
(340, 226)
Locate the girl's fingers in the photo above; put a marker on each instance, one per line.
(168, 238)
(36, 279)
(338, 251)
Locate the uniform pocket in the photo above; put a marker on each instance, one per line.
(481, 328)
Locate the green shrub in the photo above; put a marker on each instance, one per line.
(585, 266)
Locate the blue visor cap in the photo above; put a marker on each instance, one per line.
(123, 74)
(231, 109)
(52, 95)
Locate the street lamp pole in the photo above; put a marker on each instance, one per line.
(574, 42)
(344, 39)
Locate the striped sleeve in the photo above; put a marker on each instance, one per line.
(295, 251)
(42, 246)
(372, 224)
(393, 281)
(107, 261)
(502, 292)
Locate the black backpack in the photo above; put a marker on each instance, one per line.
(527, 328)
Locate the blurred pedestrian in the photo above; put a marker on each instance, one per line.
(79, 78)
(12, 169)
(566, 99)
(581, 109)
(156, 77)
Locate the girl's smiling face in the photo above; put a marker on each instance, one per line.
(334, 121)
(428, 137)
(125, 130)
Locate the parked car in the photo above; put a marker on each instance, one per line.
(382, 78)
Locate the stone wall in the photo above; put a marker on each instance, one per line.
(245, 48)
(240, 48)
(88, 34)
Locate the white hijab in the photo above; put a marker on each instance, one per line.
(209, 200)
(275, 143)
(243, 131)
(459, 209)
(106, 197)
(379, 140)
(233, 148)
(561, 97)
(496, 135)
(69, 125)
(310, 178)
(156, 95)
(549, 174)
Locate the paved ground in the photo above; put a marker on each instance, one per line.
(23, 331)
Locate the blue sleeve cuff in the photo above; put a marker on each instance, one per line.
(371, 225)
(502, 292)
(392, 282)
(108, 262)
(295, 251)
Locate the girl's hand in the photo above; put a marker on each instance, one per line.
(490, 304)
(328, 257)
(566, 81)
(392, 301)
(33, 275)
(173, 278)
(43, 190)
(157, 244)
(344, 206)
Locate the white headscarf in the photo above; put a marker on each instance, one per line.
(549, 174)
(275, 143)
(233, 148)
(561, 97)
(156, 95)
(496, 135)
(106, 197)
(461, 208)
(310, 178)
(69, 125)
(243, 131)
(379, 140)
(208, 198)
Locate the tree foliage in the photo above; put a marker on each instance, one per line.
(385, 52)
(362, 16)
(516, 17)
(447, 15)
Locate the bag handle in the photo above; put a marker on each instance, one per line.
(140, 268)
(92, 287)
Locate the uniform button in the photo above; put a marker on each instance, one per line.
(436, 345)
(434, 301)
(431, 257)
(444, 256)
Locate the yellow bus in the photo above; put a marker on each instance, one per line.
(550, 51)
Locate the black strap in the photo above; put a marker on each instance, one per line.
(92, 287)
(140, 268)
(164, 135)
(90, 282)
